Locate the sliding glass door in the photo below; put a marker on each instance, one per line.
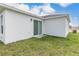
(40, 27)
(37, 27)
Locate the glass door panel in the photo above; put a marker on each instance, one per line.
(35, 27)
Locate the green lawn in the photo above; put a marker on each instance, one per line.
(46, 46)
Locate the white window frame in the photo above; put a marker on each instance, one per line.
(1, 24)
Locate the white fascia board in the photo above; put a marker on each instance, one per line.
(33, 15)
(18, 10)
(57, 16)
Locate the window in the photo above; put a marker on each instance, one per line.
(1, 29)
(1, 24)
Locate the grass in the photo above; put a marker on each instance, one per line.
(46, 46)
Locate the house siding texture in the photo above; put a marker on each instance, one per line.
(55, 27)
(17, 26)
(20, 26)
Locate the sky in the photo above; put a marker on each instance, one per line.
(51, 8)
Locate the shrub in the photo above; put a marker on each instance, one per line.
(74, 31)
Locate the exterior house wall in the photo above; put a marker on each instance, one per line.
(2, 36)
(17, 26)
(55, 27)
(66, 27)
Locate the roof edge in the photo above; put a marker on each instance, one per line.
(18, 10)
(33, 15)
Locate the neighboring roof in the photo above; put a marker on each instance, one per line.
(33, 15)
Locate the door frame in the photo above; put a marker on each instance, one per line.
(38, 27)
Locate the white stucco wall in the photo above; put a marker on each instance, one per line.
(55, 27)
(17, 26)
(66, 27)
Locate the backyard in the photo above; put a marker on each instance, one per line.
(46, 46)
